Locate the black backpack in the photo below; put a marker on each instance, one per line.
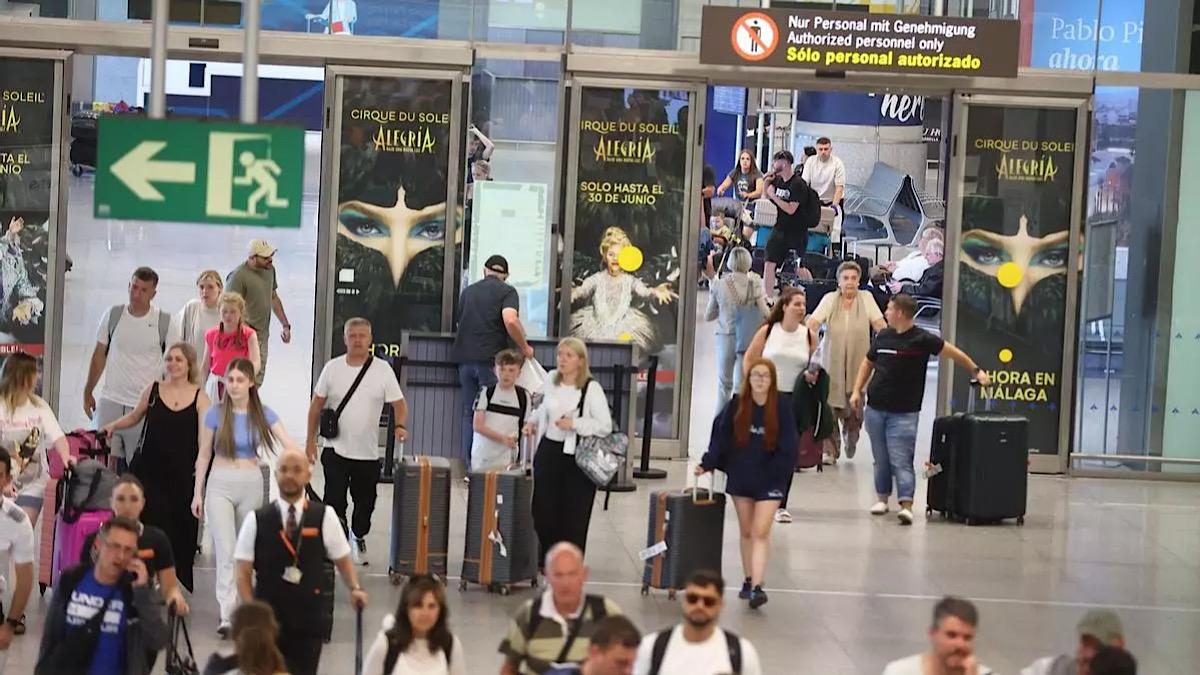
(732, 643)
(519, 411)
(810, 207)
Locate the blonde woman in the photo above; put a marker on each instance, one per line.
(573, 405)
(199, 314)
(172, 410)
(28, 429)
(239, 437)
(611, 314)
(230, 339)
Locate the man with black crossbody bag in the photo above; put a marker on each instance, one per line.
(346, 405)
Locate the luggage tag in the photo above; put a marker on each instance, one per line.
(292, 574)
(655, 550)
(931, 470)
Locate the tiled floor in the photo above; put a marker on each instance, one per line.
(848, 591)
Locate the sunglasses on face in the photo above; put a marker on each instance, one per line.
(695, 599)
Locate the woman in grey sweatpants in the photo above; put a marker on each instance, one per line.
(240, 436)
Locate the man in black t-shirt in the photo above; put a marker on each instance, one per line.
(791, 196)
(899, 357)
(488, 318)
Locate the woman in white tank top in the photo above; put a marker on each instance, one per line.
(785, 340)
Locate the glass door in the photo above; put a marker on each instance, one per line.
(391, 156)
(633, 211)
(1013, 261)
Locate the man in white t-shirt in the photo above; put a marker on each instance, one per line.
(698, 646)
(951, 643)
(16, 545)
(129, 350)
(351, 458)
(825, 173)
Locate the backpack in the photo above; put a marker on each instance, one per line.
(519, 411)
(811, 207)
(732, 643)
(114, 317)
(592, 602)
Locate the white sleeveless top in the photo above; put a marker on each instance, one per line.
(789, 353)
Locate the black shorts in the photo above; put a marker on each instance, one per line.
(781, 241)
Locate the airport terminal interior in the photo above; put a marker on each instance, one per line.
(591, 149)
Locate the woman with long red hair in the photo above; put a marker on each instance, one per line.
(754, 441)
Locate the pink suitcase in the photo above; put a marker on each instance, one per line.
(69, 538)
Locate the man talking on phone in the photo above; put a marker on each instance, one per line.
(104, 618)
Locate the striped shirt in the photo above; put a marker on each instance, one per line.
(535, 644)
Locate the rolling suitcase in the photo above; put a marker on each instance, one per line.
(978, 468)
(685, 534)
(501, 547)
(82, 444)
(420, 537)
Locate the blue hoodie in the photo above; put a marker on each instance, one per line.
(753, 470)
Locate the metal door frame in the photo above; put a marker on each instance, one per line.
(675, 447)
(56, 225)
(331, 136)
(1041, 463)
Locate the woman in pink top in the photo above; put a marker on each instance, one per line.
(231, 339)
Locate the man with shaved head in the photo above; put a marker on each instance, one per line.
(555, 628)
(284, 552)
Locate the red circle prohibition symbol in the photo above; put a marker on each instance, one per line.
(759, 48)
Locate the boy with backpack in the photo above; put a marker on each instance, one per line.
(500, 411)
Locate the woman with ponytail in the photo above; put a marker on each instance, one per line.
(754, 442)
(241, 437)
(254, 630)
(417, 639)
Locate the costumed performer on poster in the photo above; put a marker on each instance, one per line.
(339, 17)
(611, 315)
(19, 302)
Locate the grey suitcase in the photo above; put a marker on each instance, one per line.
(501, 545)
(692, 527)
(420, 539)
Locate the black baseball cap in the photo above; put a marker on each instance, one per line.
(785, 155)
(497, 264)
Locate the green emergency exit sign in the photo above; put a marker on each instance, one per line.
(199, 172)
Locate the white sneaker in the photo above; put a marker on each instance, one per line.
(782, 516)
(358, 551)
(879, 508)
(905, 516)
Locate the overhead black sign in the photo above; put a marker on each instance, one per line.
(846, 41)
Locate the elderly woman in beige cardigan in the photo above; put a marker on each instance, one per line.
(849, 316)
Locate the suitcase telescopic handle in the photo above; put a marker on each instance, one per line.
(695, 490)
(974, 390)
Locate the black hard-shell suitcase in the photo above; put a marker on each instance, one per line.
(979, 466)
(420, 538)
(692, 527)
(815, 289)
(501, 547)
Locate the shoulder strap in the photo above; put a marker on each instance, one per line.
(393, 655)
(535, 616)
(114, 318)
(489, 392)
(593, 602)
(770, 327)
(362, 372)
(734, 644)
(164, 324)
(660, 650)
(523, 404)
(583, 394)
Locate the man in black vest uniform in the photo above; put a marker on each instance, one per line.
(289, 547)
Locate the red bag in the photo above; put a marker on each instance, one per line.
(810, 452)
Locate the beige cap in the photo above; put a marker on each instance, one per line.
(261, 248)
(1101, 624)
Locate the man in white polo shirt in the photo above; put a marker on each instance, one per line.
(353, 389)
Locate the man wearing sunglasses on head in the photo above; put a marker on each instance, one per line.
(698, 646)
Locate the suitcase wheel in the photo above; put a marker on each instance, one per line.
(396, 578)
(671, 594)
(462, 585)
(928, 512)
(645, 590)
(76, 170)
(1021, 521)
(504, 590)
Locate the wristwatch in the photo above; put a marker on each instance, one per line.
(13, 623)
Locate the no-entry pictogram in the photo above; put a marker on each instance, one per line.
(755, 36)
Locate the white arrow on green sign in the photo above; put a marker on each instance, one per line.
(189, 171)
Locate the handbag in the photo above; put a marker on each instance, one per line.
(179, 661)
(329, 418)
(599, 457)
(89, 487)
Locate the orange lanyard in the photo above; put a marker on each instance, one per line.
(294, 549)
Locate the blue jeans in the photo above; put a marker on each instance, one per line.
(472, 376)
(729, 371)
(894, 444)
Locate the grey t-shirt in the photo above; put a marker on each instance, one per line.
(257, 287)
(481, 331)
